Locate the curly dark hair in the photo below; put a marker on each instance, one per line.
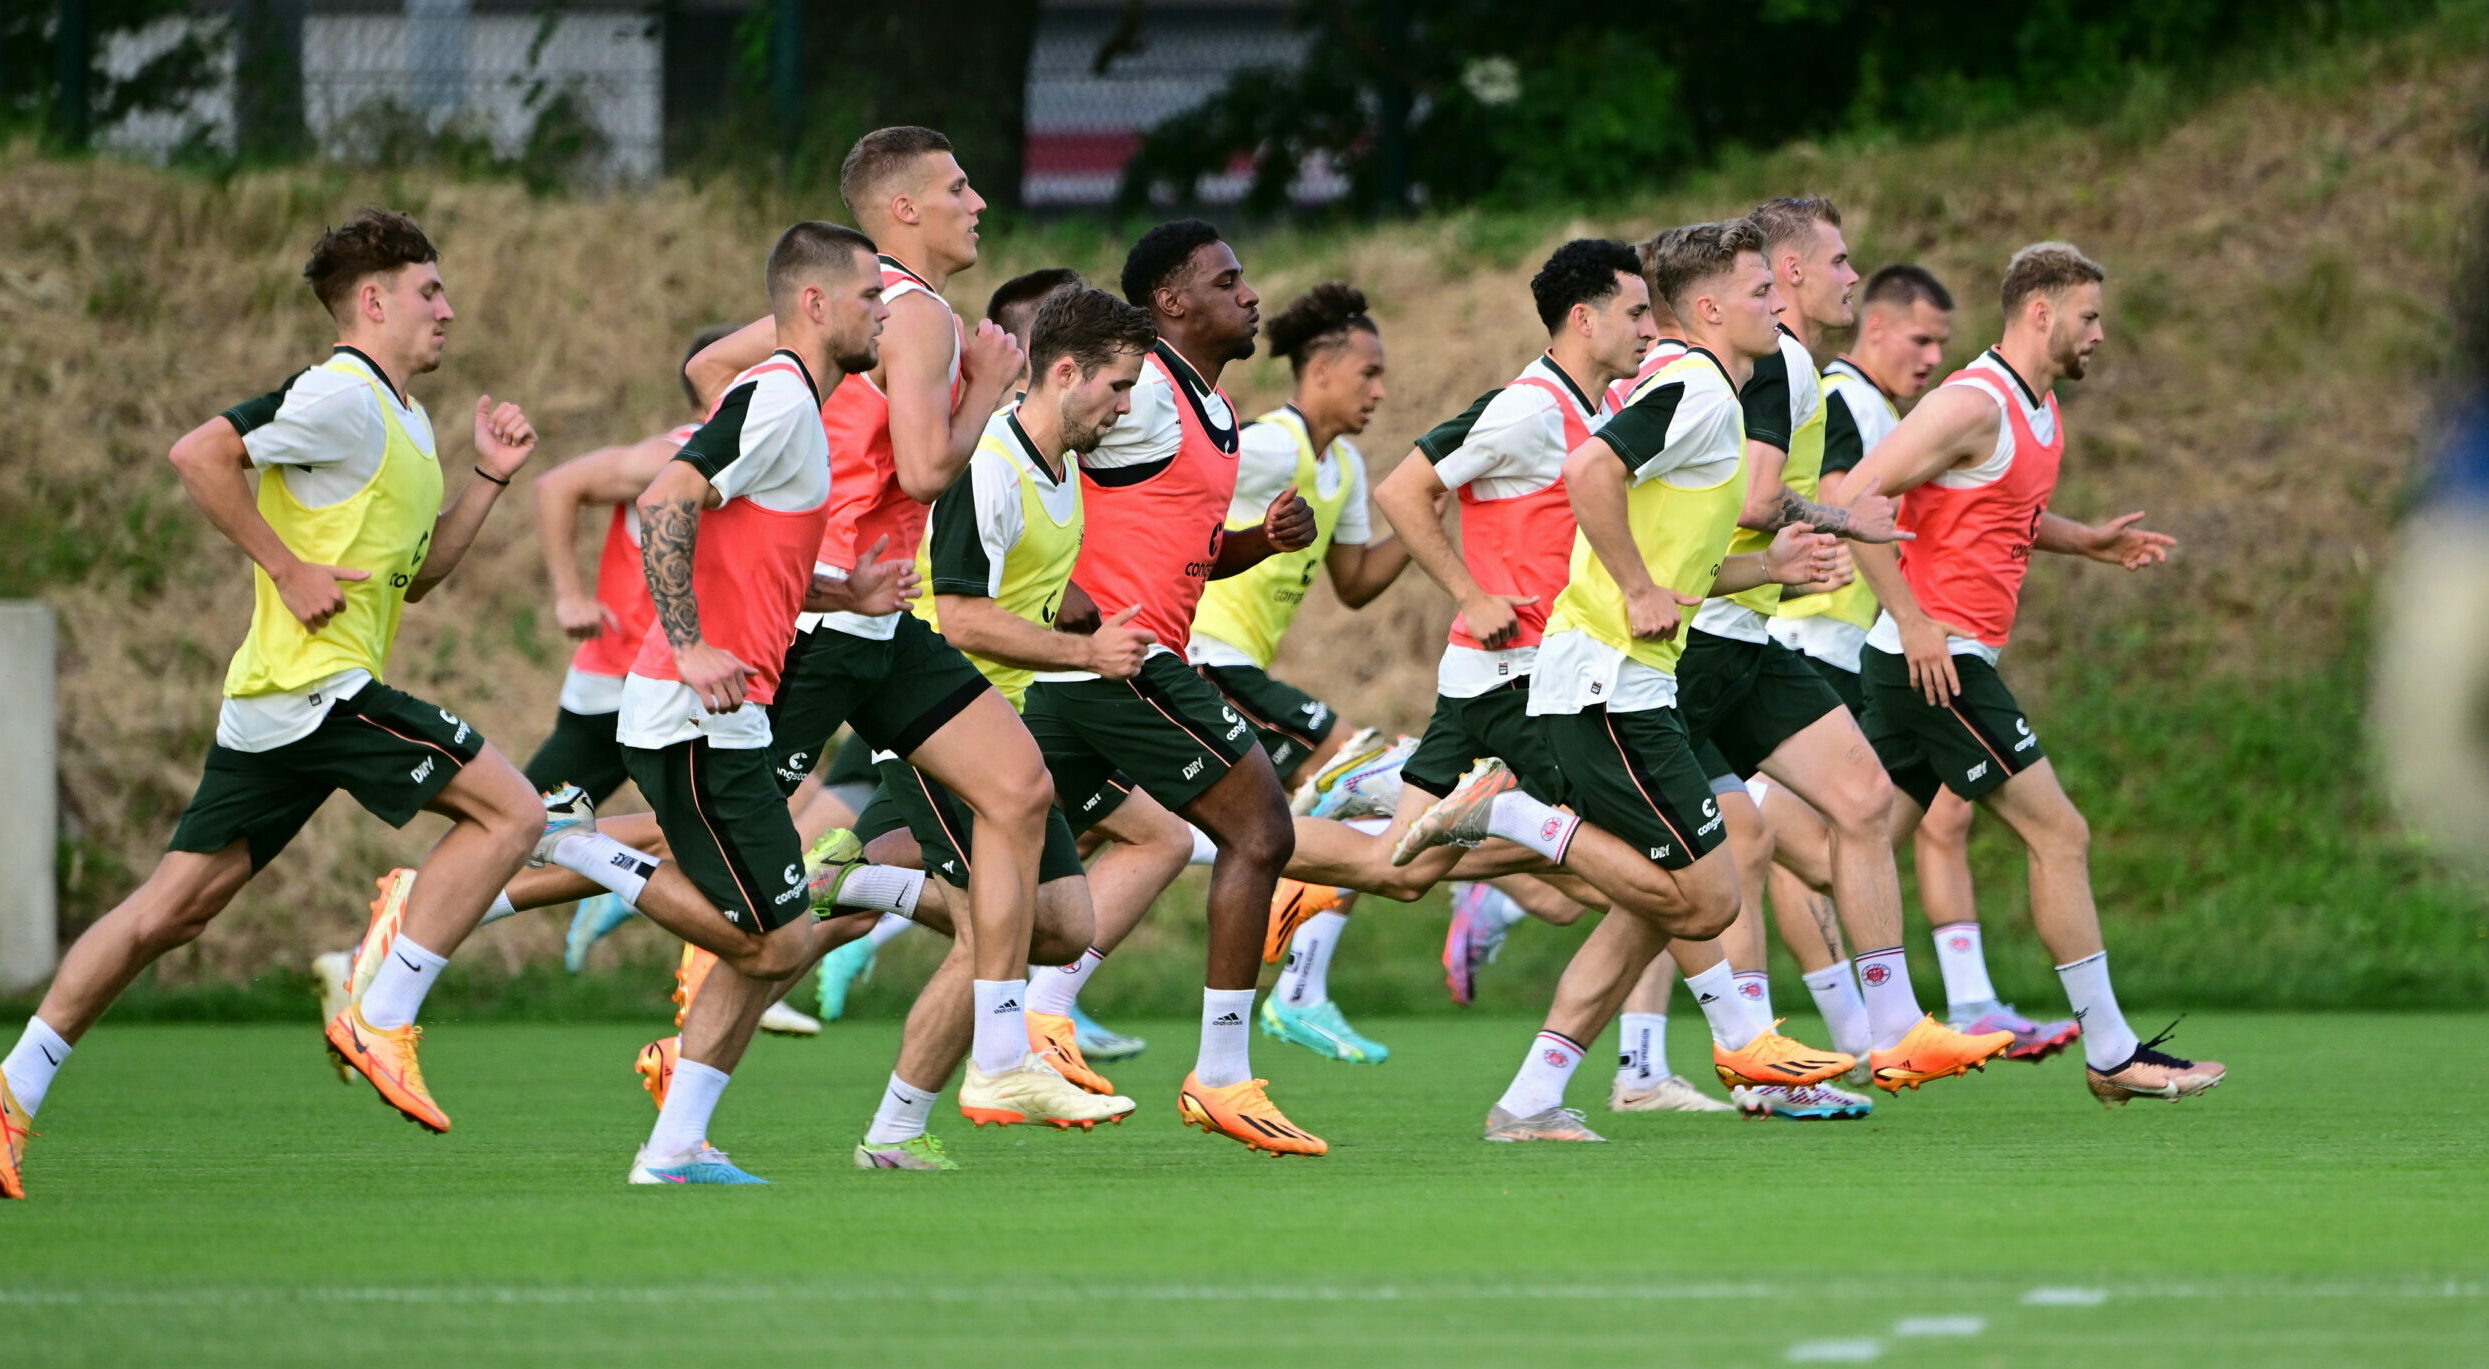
(1319, 320)
(1161, 255)
(1582, 271)
(373, 242)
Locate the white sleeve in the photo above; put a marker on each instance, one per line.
(322, 418)
(770, 450)
(1150, 433)
(1510, 438)
(1356, 520)
(1708, 426)
(999, 517)
(1265, 464)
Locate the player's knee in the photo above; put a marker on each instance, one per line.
(1265, 840)
(1863, 807)
(2065, 835)
(1016, 800)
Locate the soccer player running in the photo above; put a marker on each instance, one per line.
(1762, 708)
(999, 557)
(1335, 353)
(1975, 465)
(1905, 318)
(345, 530)
(1013, 308)
(1656, 494)
(1155, 499)
(728, 532)
(899, 440)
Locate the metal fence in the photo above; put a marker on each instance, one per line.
(522, 83)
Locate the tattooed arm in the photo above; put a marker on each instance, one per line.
(669, 530)
(1869, 520)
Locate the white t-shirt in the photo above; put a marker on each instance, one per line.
(325, 427)
(1516, 447)
(1858, 417)
(1265, 465)
(765, 443)
(1790, 376)
(1704, 441)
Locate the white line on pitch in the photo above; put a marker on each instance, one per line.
(1940, 1326)
(1835, 1351)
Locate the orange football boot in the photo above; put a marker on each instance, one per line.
(1290, 904)
(656, 1067)
(16, 1128)
(387, 1058)
(1933, 1050)
(388, 914)
(1058, 1040)
(1243, 1112)
(689, 975)
(1776, 1059)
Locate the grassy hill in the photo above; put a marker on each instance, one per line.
(2280, 258)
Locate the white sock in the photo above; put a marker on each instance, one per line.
(1055, 989)
(1517, 817)
(888, 929)
(1835, 988)
(1964, 961)
(502, 907)
(1733, 1022)
(609, 864)
(38, 1056)
(1755, 986)
(1226, 1037)
(397, 991)
(1642, 1049)
(1544, 1073)
(1892, 1005)
(1367, 826)
(690, 1101)
(901, 1117)
(2107, 1041)
(886, 887)
(1496, 908)
(1306, 979)
(1204, 849)
(1002, 1024)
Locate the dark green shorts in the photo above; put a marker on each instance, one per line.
(895, 694)
(852, 763)
(1970, 745)
(1634, 774)
(1746, 698)
(581, 751)
(1165, 727)
(944, 828)
(1915, 778)
(389, 749)
(726, 828)
(1290, 723)
(1496, 723)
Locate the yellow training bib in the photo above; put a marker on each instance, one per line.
(1682, 532)
(1252, 611)
(383, 528)
(1038, 565)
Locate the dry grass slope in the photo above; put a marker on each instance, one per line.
(2279, 259)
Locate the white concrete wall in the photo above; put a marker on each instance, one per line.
(29, 797)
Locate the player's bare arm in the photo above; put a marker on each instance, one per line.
(215, 472)
(1412, 497)
(1288, 525)
(981, 627)
(874, 588)
(503, 441)
(715, 366)
(1771, 505)
(608, 475)
(2118, 542)
(1951, 428)
(1594, 483)
(669, 530)
(1798, 557)
(1360, 573)
(930, 439)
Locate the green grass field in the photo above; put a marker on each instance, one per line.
(210, 1195)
